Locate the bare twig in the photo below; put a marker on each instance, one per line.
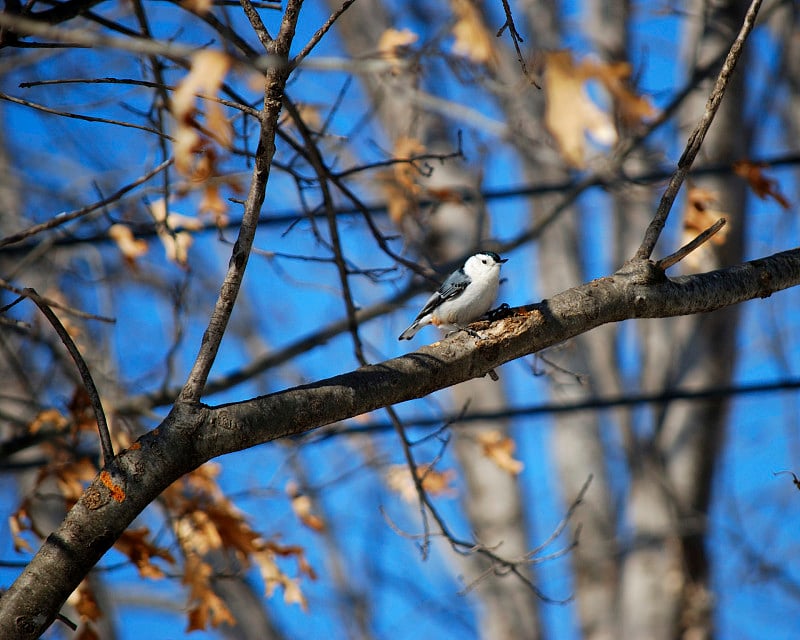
(323, 176)
(102, 426)
(53, 304)
(565, 520)
(258, 5)
(698, 135)
(412, 160)
(499, 565)
(319, 34)
(795, 480)
(532, 556)
(424, 500)
(140, 46)
(80, 116)
(258, 25)
(680, 254)
(62, 218)
(516, 39)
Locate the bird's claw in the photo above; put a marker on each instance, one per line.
(503, 311)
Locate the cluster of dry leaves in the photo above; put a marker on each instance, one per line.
(206, 522)
(205, 525)
(207, 528)
(572, 116)
(199, 144)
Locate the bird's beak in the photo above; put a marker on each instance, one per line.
(503, 260)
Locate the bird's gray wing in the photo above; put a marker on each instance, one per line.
(451, 288)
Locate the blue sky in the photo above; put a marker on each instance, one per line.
(415, 598)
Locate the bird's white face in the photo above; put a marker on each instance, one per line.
(481, 265)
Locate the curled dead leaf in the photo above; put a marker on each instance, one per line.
(205, 606)
(392, 43)
(176, 243)
(73, 477)
(49, 418)
(500, 450)
(570, 114)
(698, 215)
(197, 6)
(137, 546)
(131, 248)
(631, 107)
(762, 185)
(472, 39)
(398, 478)
(303, 508)
(18, 522)
(204, 79)
(84, 601)
(273, 577)
(400, 185)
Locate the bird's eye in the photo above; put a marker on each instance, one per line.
(483, 261)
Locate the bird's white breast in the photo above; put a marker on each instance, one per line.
(476, 300)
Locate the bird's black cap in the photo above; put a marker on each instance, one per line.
(495, 256)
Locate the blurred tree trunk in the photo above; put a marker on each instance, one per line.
(578, 448)
(444, 235)
(687, 435)
(656, 587)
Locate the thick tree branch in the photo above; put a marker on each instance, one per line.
(194, 433)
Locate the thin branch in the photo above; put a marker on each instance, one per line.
(53, 304)
(258, 25)
(499, 565)
(323, 175)
(79, 116)
(499, 194)
(239, 106)
(140, 46)
(552, 408)
(516, 39)
(88, 38)
(63, 218)
(319, 34)
(147, 401)
(680, 254)
(412, 160)
(565, 520)
(695, 141)
(102, 426)
(258, 5)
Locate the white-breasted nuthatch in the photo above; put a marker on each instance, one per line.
(463, 298)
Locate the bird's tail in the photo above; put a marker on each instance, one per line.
(410, 332)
